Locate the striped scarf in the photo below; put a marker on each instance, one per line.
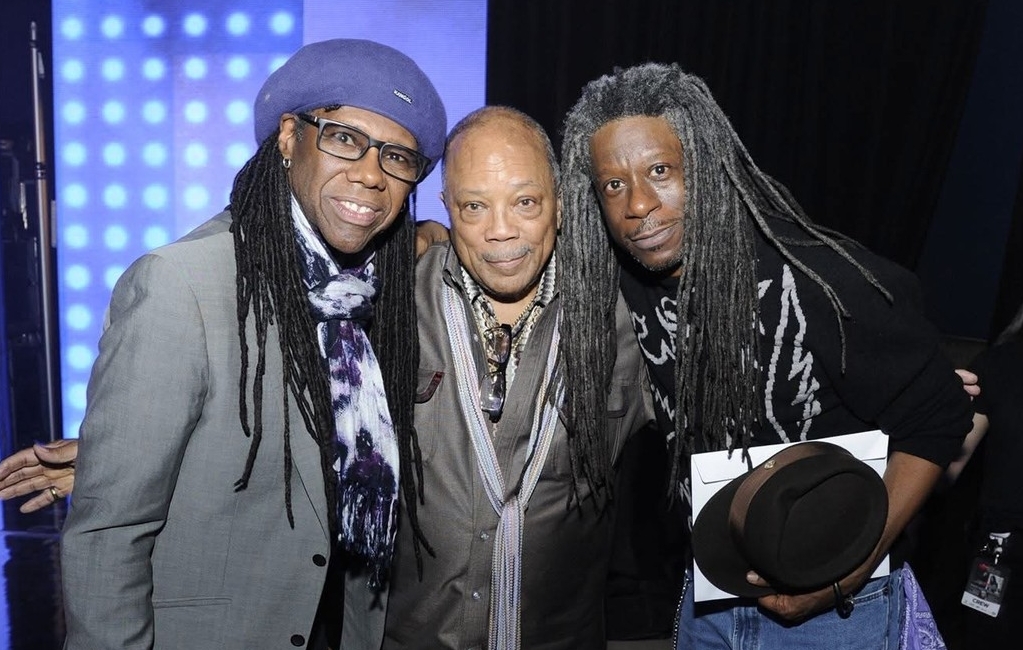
(505, 582)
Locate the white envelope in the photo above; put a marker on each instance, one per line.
(711, 471)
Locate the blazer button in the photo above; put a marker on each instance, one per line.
(297, 640)
(319, 560)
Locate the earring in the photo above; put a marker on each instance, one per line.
(287, 163)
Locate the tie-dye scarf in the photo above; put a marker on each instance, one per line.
(367, 451)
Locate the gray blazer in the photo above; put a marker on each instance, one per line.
(159, 549)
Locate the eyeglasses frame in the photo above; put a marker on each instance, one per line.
(321, 122)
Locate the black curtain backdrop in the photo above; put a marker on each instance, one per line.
(853, 105)
(1010, 287)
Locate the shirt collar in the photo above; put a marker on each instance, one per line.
(483, 309)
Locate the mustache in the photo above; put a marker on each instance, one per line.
(645, 226)
(506, 255)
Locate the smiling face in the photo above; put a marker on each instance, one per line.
(347, 202)
(638, 174)
(500, 193)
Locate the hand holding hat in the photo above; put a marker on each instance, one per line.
(802, 520)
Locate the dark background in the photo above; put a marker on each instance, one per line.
(894, 121)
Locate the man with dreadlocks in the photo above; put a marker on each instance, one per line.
(515, 508)
(238, 419)
(757, 327)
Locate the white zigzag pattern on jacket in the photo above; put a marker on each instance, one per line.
(802, 361)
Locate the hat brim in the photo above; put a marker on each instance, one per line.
(815, 515)
(715, 551)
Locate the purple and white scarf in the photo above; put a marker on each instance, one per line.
(366, 458)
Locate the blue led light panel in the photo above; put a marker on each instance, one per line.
(153, 118)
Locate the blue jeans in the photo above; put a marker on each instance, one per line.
(740, 625)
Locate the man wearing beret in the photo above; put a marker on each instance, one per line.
(238, 438)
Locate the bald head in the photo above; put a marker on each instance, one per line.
(500, 117)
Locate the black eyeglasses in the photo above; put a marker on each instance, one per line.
(497, 341)
(349, 143)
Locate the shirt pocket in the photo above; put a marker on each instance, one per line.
(428, 416)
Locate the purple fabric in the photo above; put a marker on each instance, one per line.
(359, 73)
(919, 631)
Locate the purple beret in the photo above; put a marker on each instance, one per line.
(357, 73)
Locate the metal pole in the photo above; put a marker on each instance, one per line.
(46, 239)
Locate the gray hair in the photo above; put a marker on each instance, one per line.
(726, 197)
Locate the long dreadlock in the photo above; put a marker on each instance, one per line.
(726, 197)
(270, 287)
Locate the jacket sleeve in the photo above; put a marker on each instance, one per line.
(145, 395)
(896, 374)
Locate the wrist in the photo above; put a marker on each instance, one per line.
(843, 601)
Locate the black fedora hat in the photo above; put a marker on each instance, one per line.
(802, 519)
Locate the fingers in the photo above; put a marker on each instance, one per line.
(41, 481)
(25, 457)
(21, 481)
(429, 232)
(38, 502)
(967, 376)
(970, 382)
(56, 490)
(790, 608)
(27, 462)
(47, 469)
(798, 607)
(44, 468)
(60, 452)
